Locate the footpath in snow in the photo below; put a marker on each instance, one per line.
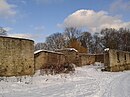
(87, 81)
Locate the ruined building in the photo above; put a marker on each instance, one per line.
(16, 56)
(116, 60)
(46, 59)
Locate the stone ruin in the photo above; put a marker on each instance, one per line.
(116, 60)
(17, 58)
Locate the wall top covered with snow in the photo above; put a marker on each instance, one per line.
(47, 51)
(67, 50)
(45, 59)
(6, 37)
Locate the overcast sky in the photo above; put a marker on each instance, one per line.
(36, 19)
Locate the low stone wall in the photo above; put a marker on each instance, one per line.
(87, 59)
(115, 60)
(16, 56)
(46, 59)
(99, 58)
(71, 55)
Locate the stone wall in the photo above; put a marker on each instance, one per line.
(81, 59)
(16, 56)
(71, 55)
(116, 60)
(87, 59)
(99, 58)
(47, 59)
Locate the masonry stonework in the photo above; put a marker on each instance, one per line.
(87, 59)
(71, 55)
(47, 59)
(16, 56)
(115, 60)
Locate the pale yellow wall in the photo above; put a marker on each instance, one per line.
(114, 59)
(86, 59)
(47, 58)
(16, 56)
(71, 56)
(40, 60)
(118, 63)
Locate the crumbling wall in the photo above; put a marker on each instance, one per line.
(87, 59)
(106, 60)
(99, 58)
(47, 59)
(117, 60)
(71, 55)
(16, 56)
(80, 59)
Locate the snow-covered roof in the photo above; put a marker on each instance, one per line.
(38, 51)
(107, 49)
(71, 49)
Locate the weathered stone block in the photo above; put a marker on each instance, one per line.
(71, 55)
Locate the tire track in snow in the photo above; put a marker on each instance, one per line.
(118, 87)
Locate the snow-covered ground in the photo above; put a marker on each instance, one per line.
(87, 81)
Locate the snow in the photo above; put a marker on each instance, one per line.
(87, 81)
(72, 49)
(107, 49)
(38, 51)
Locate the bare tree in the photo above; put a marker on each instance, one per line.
(96, 46)
(3, 32)
(86, 40)
(124, 39)
(110, 38)
(55, 41)
(40, 46)
(116, 39)
(71, 32)
(107, 38)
